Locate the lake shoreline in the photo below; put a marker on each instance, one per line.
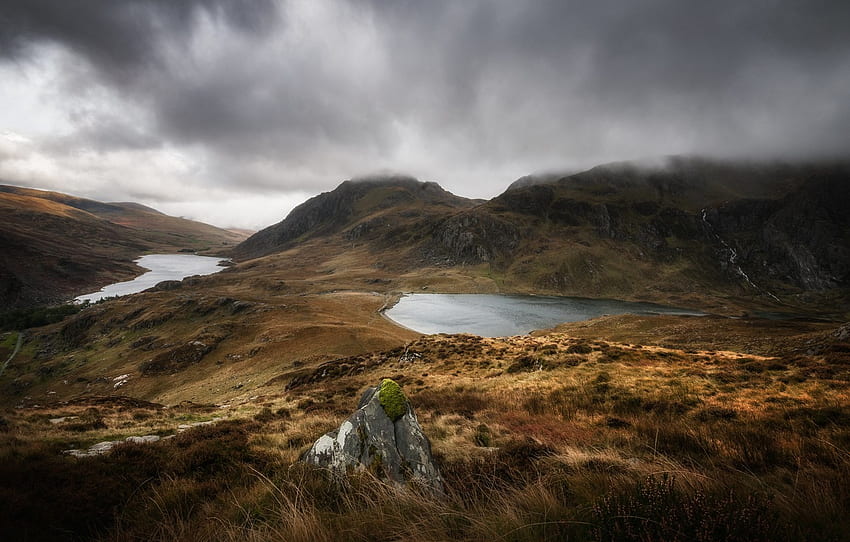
(159, 268)
(498, 315)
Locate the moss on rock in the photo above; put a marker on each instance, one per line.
(392, 399)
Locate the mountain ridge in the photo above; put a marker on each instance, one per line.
(772, 232)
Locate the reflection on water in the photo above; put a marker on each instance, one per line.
(162, 267)
(491, 315)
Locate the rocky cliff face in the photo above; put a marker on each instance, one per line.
(802, 239)
(790, 233)
(470, 238)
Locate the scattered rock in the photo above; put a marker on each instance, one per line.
(384, 437)
(184, 426)
(177, 359)
(106, 446)
(57, 421)
(144, 439)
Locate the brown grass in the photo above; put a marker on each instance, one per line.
(622, 442)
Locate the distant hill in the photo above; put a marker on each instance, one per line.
(674, 231)
(56, 245)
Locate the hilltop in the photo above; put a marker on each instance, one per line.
(386, 209)
(55, 246)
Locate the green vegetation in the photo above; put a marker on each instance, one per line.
(36, 317)
(392, 399)
(9, 341)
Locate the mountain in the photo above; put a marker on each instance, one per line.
(56, 246)
(394, 208)
(678, 231)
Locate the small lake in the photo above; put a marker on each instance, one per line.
(161, 267)
(490, 315)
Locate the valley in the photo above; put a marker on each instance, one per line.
(660, 425)
(57, 246)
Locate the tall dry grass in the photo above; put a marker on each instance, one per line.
(595, 443)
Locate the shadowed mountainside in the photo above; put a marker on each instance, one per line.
(392, 208)
(56, 245)
(770, 231)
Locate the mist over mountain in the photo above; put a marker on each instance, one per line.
(226, 111)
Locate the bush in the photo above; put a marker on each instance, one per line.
(655, 511)
(527, 363)
(36, 317)
(482, 436)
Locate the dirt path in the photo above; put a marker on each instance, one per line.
(14, 352)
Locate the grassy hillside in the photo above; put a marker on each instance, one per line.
(56, 246)
(551, 437)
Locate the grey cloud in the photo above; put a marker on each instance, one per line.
(491, 89)
(105, 134)
(118, 36)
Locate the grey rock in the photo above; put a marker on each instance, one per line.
(144, 439)
(57, 421)
(472, 238)
(101, 447)
(94, 450)
(106, 446)
(397, 451)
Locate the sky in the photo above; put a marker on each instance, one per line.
(234, 111)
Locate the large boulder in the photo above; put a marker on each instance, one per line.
(384, 437)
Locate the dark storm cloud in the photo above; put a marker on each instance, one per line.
(711, 67)
(117, 35)
(300, 94)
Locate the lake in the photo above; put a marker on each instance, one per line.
(494, 315)
(161, 267)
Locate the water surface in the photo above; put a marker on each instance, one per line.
(494, 315)
(161, 267)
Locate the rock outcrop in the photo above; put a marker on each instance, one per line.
(384, 437)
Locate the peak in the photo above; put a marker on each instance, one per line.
(390, 181)
(356, 200)
(535, 179)
(384, 178)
